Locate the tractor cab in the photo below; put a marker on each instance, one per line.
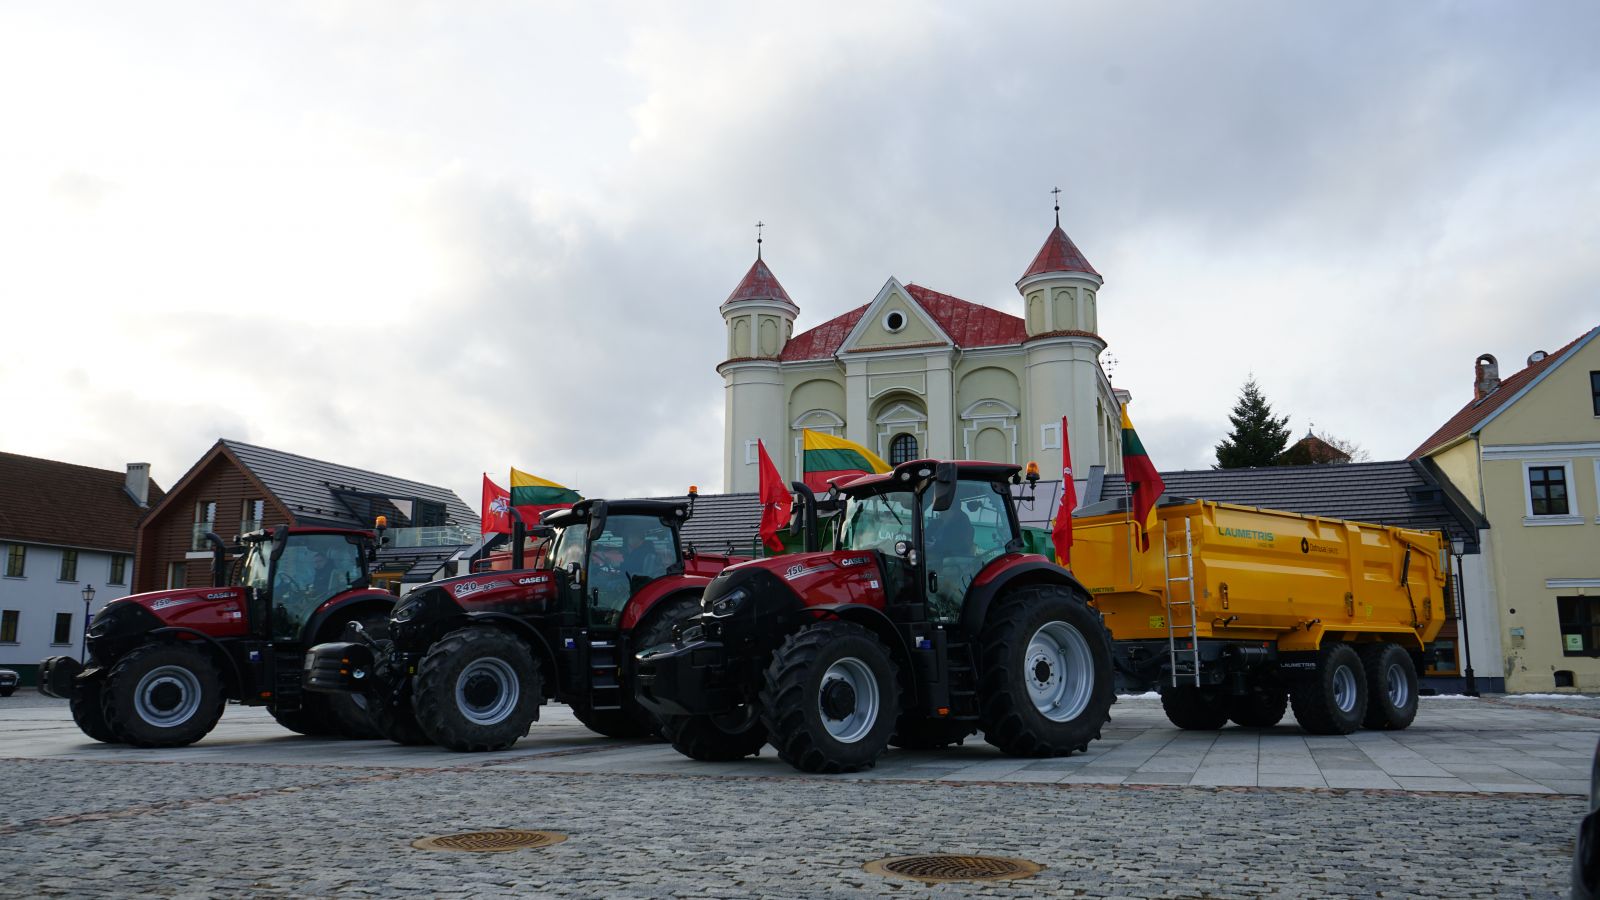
(603, 553)
(289, 573)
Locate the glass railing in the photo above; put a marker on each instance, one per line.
(197, 539)
(431, 536)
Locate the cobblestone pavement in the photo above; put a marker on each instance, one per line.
(251, 811)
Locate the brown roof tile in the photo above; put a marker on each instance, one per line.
(47, 502)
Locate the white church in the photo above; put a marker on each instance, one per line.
(916, 373)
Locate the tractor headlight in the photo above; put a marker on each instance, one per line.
(727, 603)
(407, 610)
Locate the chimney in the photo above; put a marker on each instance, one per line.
(1486, 376)
(137, 483)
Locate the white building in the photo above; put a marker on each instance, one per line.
(63, 528)
(916, 373)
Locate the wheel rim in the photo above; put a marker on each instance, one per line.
(1399, 689)
(167, 696)
(1059, 672)
(1344, 689)
(848, 700)
(487, 691)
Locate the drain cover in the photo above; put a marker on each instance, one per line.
(497, 841)
(940, 867)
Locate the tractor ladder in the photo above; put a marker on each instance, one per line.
(605, 682)
(1183, 638)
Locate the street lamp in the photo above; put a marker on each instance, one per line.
(88, 597)
(1458, 548)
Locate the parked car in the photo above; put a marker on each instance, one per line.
(9, 680)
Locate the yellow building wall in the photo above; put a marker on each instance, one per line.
(1460, 465)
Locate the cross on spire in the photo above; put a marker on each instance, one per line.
(759, 225)
(1057, 192)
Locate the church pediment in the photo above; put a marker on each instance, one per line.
(894, 320)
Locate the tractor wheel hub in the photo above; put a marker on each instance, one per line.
(838, 699)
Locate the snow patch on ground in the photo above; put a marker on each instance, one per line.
(1550, 697)
(1147, 695)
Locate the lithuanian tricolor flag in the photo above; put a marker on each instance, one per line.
(532, 495)
(828, 457)
(1145, 486)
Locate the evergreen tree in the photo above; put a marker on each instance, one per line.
(1258, 436)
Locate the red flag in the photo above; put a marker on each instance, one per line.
(496, 503)
(1061, 534)
(776, 503)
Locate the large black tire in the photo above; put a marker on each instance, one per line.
(1333, 699)
(920, 732)
(1263, 706)
(162, 695)
(7, 691)
(497, 679)
(628, 722)
(1391, 687)
(397, 722)
(716, 738)
(1195, 708)
(347, 714)
(86, 711)
(830, 698)
(311, 719)
(1042, 644)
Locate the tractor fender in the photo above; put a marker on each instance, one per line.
(1007, 573)
(342, 608)
(876, 622)
(520, 628)
(656, 591)
(233, 679)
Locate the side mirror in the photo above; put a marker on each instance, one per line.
(944, 486)
(597, 519)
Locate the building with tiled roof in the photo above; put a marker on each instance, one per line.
(915, 372)
(1524, 452)
(65, 531)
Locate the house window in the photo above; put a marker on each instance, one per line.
(1547, 491)
(63, 633)
(1594, 391)
(1580, 625)
(119, 569)
(8, 626)
(16, 561)
(902, 449)
(177, 575)
(69, 565)
(251, 515)
(205, 519)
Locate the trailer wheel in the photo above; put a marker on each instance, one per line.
(87, 713)
(477, 689)
(830, 698)
(1262, 706)
(921, 732)
(1391, 688)
(1046, 683)
(1333, 700)
(1194, 708)
(722, 738)
(162, 695)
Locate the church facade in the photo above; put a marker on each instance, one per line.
(916, 373)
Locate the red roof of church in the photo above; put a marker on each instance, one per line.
(759, 284)
(968, 324)
(1475, 412)
(1059, 254)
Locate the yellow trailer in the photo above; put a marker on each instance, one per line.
(1235, 612)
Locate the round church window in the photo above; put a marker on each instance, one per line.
(894, 321)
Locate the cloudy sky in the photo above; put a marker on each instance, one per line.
(439, 239)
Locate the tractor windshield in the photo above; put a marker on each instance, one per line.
(877, 521)
(311, 569)
(632, 552)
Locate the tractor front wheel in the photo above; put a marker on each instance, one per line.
(830, 698)
(86, 711)
(721, 738)
(477, 689)
(162, 695)
(1046, 685)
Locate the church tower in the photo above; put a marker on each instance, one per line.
(1059, 291)
(760, 319)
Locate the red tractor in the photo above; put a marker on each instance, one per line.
(469, 661)
(163, 664)
(926, 623)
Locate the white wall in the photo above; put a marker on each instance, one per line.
(39, 595)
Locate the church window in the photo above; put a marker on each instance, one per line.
(894, 321)
(902, 449)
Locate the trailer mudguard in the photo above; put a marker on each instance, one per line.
(1007, 572)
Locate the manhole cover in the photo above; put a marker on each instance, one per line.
(949, 867)
(497, 841)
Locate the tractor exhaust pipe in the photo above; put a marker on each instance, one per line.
(806, 515)
(519, 535)
(219, 559)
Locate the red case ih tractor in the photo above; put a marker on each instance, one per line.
(162, 664)
(469, 660)
(926, 623)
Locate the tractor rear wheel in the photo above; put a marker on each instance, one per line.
(1262, 706)
(162, 695)
(830, 698)
(348, 713)
(1046, 683)
(625, 723)
(477, 689)
(723, 738)
(1333, 699)
(397, 722)
(921, 732)
(86, 711)
(1391, 687)
(311, 719)
(657, 629)
(1194, 708)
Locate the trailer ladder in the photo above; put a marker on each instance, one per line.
(1183, 661)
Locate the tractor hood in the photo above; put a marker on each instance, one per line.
(518, 592)
(808, 579)
(216, 611)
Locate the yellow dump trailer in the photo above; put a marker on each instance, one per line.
(1236, 613)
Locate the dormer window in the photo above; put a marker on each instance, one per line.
(894, 321)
